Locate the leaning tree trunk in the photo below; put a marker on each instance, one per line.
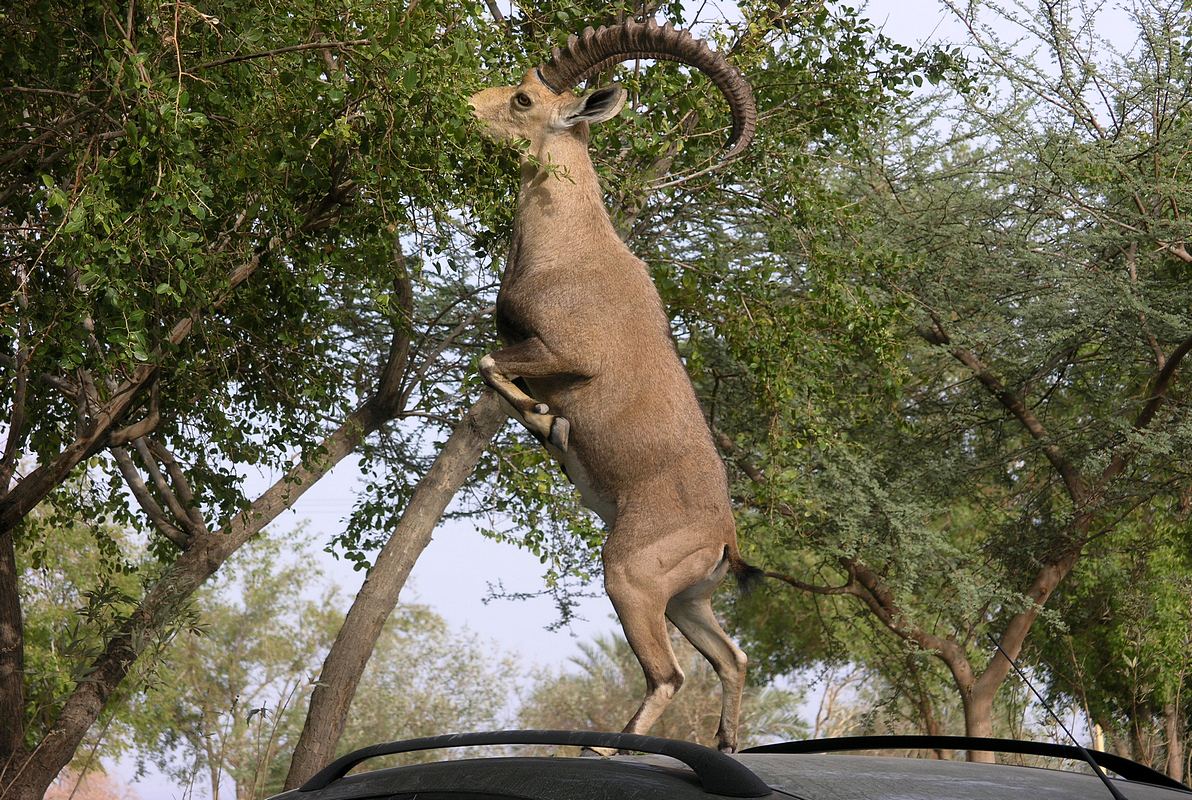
(332, 697)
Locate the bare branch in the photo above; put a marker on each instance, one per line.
(465, 324)
(495, 10)
(144, 426)
(144, 498)
(163, 486)
(387, 395)
(1181, 251)
(739, 457)
(850, 587)
(181, 486)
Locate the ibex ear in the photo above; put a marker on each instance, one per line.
(598, 106)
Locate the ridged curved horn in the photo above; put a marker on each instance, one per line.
(596, 50)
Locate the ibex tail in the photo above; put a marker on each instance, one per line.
(747, 575)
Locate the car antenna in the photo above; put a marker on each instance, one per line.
(1117, 795)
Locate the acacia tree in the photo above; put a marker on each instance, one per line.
(204, 238)
(1034, 236)
(1124, 655)
(840, 58)
(213, 238)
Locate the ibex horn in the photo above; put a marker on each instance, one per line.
(596, 50)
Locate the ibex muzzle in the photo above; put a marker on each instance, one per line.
(591, 369)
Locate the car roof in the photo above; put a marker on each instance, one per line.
(531, 778)
(864, 777)
(809, 777)
(677, 770)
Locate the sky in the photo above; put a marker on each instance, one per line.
(454, 573)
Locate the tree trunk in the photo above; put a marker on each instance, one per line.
(978, 718)
(12, 658)
(1173, 728)
(332, 696)
(30, 778)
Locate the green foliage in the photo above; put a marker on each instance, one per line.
(1024, 247)
(145, 169)
(78, 583)
(604, 685)
(1123, 652)
(232, 693)
(150, 154)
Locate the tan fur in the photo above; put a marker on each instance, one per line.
(608, 395)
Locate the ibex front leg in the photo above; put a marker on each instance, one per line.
(528, 359)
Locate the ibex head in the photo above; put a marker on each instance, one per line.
(532, 111)
(543, 104)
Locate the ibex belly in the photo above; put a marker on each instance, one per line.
(604, 507)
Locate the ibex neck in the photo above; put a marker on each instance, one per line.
(560, 193)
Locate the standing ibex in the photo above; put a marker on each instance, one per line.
(592, 371)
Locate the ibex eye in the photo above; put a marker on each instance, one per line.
(523, 100)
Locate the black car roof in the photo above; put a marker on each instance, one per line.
(858, 777)
(706, 775)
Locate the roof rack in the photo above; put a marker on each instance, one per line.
(1130, 770)
(717, 772)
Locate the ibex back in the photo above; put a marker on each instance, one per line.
(591, 369)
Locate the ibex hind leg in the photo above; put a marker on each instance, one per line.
(641, 609)
(691, 612)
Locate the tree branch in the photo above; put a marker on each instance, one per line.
(181, 485)
(293, 48)
(12, 662)
(374, 603)
(881, 602)
(144, 426)
(388, 397)
(16, 428)
(1071, 476)
(738, 456)
(180, 512)
(37, 484)
(442, 345)
(849, 587)
(20, 365)
(1019, 627)
(144, 498)
(1157, 392)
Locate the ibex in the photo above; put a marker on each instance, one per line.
(591, 369)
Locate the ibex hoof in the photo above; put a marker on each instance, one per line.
(541, 408)
(560, 433)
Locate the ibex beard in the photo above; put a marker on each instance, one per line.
(591, 370)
